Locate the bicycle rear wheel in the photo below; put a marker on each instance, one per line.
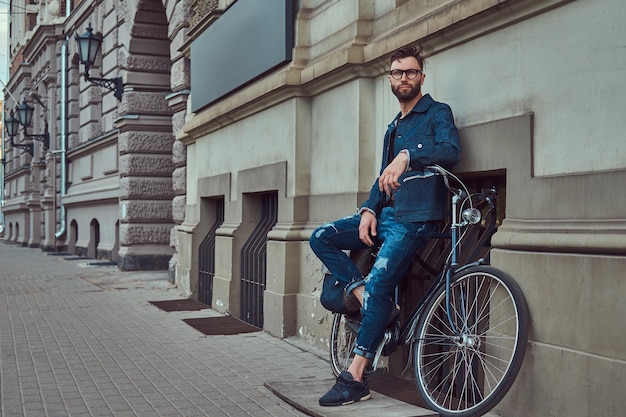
(468, 374)
(342, 341)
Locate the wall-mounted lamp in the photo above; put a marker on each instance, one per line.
(11, 124)
(24, 118)
(88, 46)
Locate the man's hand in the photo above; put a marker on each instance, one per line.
(388, 180)
(367, 228)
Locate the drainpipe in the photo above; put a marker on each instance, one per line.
(2, 185)
(8, 40)
(62, 151)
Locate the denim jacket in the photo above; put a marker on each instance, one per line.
(430, 136)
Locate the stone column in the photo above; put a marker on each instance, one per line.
(180, 80)
(34, 207)
(178, 103)
(34, 224)
(145, 169)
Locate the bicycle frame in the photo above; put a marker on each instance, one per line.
(467, 335)
(451, 267)
(454, 256)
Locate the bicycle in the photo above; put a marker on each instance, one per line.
(467, 336)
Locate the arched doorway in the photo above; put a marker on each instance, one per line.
(94, 239)
(73, 237)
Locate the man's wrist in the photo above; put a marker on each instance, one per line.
(369, 210)
(408, 159)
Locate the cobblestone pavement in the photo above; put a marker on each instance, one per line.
(83, 340)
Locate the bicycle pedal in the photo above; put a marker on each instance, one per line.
(394, 333)
(389, 348)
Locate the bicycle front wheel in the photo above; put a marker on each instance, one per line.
(466, 368)
(342, 342)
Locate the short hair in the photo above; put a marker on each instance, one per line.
(408, 51)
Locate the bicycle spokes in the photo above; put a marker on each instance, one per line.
(342, 339)
(466, 369)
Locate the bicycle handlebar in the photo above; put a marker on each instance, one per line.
(461, 192)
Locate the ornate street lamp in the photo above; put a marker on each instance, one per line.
(25, 116)
(25, 113)
(11, 124)
(88, 46)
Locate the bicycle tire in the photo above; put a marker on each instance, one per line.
(342, 341)
(468, 376)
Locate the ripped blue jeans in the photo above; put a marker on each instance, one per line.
(398, 243)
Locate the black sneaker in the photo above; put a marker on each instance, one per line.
(346, 391)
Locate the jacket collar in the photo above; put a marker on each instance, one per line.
(422, 106)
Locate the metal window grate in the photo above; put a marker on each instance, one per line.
(206, 257)
(253, 262)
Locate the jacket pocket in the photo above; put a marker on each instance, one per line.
(421, 197)
(420, 143)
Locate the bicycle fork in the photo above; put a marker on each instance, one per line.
(454, 239)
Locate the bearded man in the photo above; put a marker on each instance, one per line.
(400, 215)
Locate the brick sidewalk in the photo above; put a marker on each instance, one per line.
(80, 340)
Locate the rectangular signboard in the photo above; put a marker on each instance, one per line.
(251, 38)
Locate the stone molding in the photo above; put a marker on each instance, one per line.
(600, 237)
(145, 102)
(138, 141)
(146, 188)
(152, 211)
(179, 204)
(142, 164)
(145, 63)
(179, 180)
(202, 8)
(179, 154)
(145, 233)
(149, 31)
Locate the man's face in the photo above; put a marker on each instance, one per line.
(404, 89)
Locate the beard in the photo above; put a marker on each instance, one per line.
(407, 95)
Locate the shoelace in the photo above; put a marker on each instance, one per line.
(341, 385)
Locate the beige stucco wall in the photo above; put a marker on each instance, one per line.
(105, 214)
(575, 364)
(563, 236)
(566, 65)
(261, 139)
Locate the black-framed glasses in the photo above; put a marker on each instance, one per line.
(411, 74)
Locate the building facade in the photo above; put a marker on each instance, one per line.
(222, 175)
(103, 186)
